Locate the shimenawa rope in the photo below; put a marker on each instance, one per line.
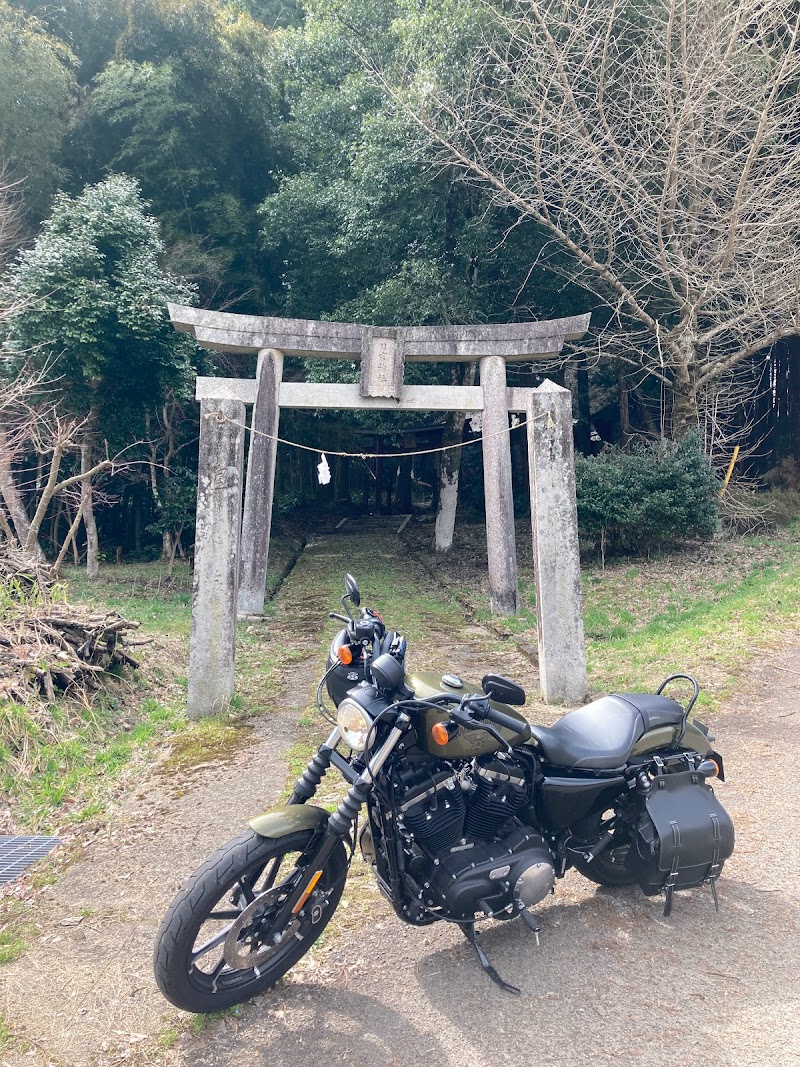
(221, 418)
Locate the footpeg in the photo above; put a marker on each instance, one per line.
(531, 923)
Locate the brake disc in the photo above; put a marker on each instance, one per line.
(248, 951)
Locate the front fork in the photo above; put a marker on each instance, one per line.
(306, 786)
(340, 822)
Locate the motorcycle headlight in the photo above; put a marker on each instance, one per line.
(354, 724)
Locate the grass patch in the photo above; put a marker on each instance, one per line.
(16, 930)
(5, 1034)
(57, 762)
(201, 1023)
(712, 636)
(708, 609)
(215, 739)
(168, 1038)
(143, 592)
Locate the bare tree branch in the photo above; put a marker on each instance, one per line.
(659, 145)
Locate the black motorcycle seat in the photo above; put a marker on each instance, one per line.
(600, 735)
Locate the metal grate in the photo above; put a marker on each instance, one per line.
(17, 853)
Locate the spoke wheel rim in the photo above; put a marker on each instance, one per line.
(208, 970)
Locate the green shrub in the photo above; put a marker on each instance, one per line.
(782, 502)
(630, 502)
(782, 506)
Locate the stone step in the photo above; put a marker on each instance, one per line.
(372, 524)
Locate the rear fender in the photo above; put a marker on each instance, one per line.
(288, 819)
(664, 736)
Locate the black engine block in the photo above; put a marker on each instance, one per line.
(466, 851)
(498, 791)
(432, 807)
(491, 876)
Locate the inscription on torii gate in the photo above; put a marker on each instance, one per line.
(232, 542)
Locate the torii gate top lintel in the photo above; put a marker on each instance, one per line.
(250, 334)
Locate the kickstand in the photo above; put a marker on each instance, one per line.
(472, 936)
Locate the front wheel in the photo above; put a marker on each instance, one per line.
(216, 945)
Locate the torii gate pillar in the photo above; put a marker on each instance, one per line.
(501, 544)
(260, 485)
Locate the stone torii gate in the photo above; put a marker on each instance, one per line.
(232, 544)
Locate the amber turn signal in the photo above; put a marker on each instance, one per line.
(439, 733)
(709, 768)
(345, 655)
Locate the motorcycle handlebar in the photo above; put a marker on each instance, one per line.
(499, 718)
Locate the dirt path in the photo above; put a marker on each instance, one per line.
(611, 981)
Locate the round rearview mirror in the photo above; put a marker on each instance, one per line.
(351, 585)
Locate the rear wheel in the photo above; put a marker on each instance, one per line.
(609, 867)
(217, 946)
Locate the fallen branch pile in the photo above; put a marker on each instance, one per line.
(59, 647)
(48, 647)
(24, 579)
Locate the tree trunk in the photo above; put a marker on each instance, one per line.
(793, 359)
(684, 397)
(137, 521)
(583, 427)
(55, 519)
(70, 538)
(519, 462)
(624, 410)
(87, 506)
(5, 527)
(13, 501)
(403, 496)
(341, 485)
(450, 466)
(167, 552)
(378, 481)
(684, 414)
(366, 486)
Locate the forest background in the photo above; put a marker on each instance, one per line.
(396, 162)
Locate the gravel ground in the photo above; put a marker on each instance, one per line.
(612, 979)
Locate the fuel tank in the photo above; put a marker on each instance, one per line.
(466, 743)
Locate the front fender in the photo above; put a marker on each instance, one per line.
(288, 819)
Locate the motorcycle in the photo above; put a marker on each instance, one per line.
(471, 813)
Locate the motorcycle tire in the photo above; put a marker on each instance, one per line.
(189, 961)
(607, 869)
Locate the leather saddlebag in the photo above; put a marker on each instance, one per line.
(683, 837)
